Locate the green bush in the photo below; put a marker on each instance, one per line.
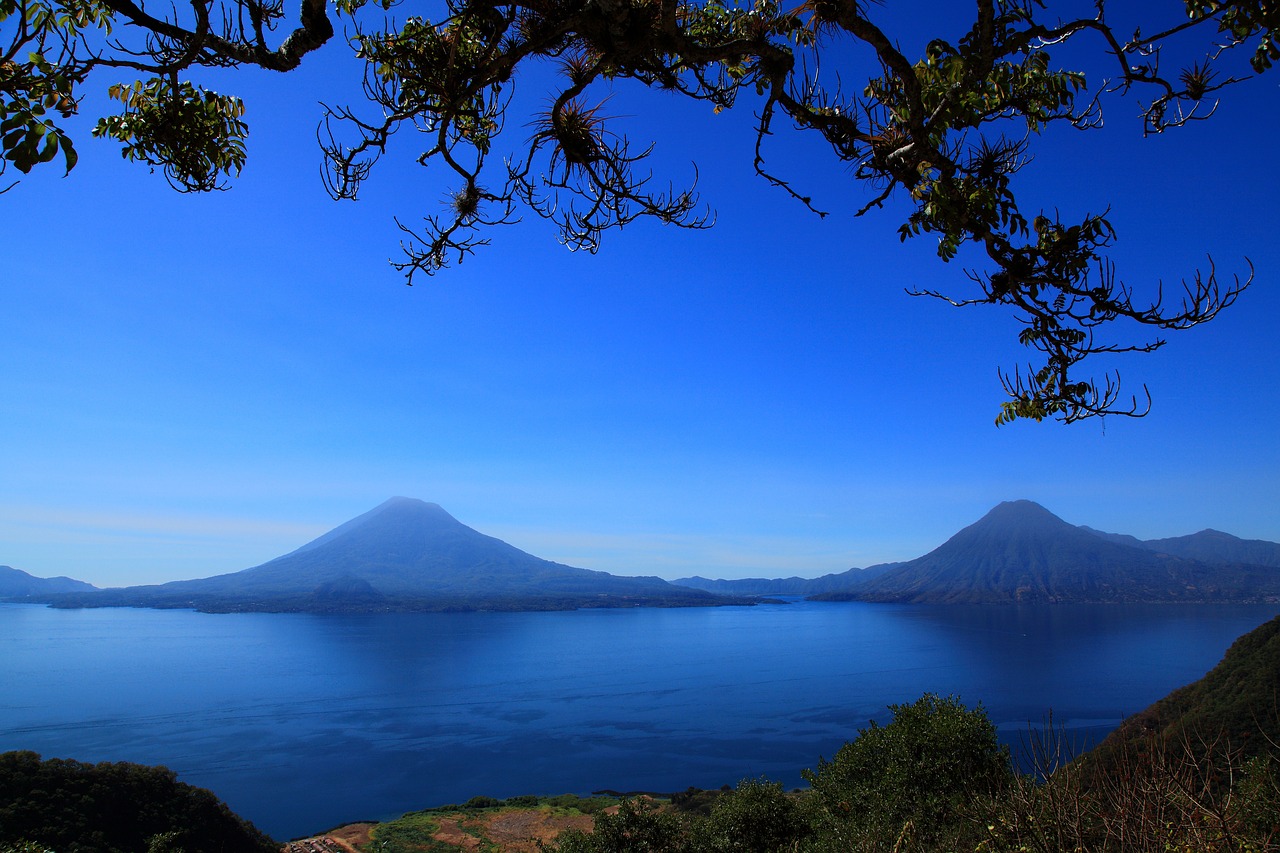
(482, 803)
(585, 805)
(524, 801)
(697, 801)
(907, 783)
(757, 817)
(1259, 797)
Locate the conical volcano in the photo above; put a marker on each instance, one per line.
(405, 554)
(1021, 552)
(410, 547)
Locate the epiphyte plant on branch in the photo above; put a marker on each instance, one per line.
(944, 132)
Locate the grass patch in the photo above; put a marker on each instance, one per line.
(415, 832)
(410, 833)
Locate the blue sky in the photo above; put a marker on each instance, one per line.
(193, 385)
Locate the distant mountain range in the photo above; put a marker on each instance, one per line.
(840, 582)
(1019, 552)
(404, 554)
(407, 554)
(1209, 546)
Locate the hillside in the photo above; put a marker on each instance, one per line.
(1019, 552)
(404, 554)
(66, 805)
(1207, 546)
(16, 584)
(1238, 700)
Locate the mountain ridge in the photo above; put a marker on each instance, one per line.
(15, 583)
(1020, 552)
(1209, 546)
(787, 586)
(408, 554)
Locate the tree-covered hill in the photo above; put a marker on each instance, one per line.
(71, 807)
(1236, 705)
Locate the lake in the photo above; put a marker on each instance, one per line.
(301, 722)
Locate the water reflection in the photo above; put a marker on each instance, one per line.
(301, 721)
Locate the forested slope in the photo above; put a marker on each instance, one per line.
(72, 807)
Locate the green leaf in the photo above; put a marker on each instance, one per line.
(69, 155)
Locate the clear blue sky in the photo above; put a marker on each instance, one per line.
(194, 385)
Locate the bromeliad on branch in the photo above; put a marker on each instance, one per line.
(945, 131)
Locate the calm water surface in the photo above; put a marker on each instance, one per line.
(301, 722)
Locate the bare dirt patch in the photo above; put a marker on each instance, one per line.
(344, 839)
(520, 831)
(514, 831)
(451, 832)
(352, 836)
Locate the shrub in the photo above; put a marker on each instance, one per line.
(482, 803)
(637, 827)
(909, 781)
(757, 817)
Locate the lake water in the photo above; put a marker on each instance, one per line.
(301, 722)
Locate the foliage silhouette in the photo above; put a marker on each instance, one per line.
(73, 807)
(945, 132)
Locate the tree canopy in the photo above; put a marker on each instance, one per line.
(942, 134)
(113, 807)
